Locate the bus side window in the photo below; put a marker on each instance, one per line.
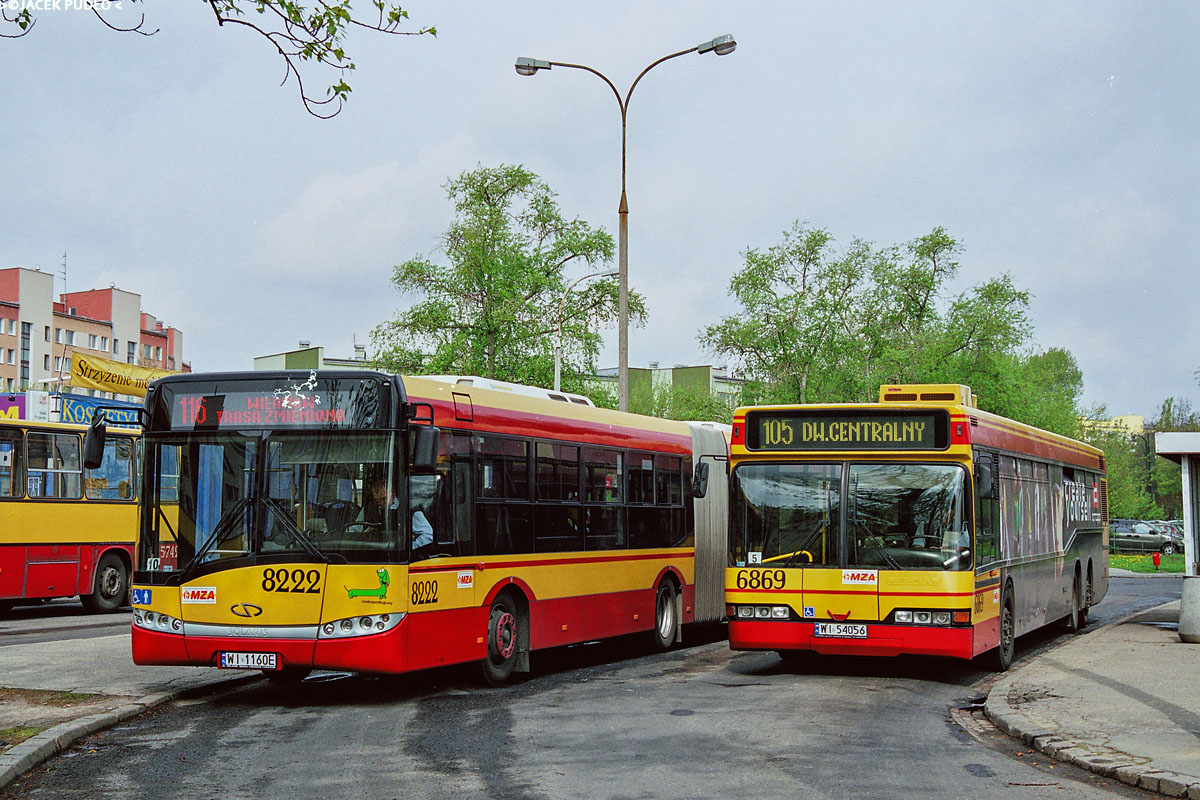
(12, 473)
(451, 507)
(987, 523)
(113, 479)
(55, 465)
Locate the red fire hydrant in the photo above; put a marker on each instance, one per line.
(1157, 561)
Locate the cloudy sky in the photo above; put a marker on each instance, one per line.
(1055, 141)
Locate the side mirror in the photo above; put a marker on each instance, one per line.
(984, 478)
(93, 442)
(425, 449)
(700, 480)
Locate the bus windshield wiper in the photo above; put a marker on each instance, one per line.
(224, 526)
(877, 542)
(293, 530)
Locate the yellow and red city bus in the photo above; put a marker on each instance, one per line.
(64, 530)
(377, 523)
(918, 524)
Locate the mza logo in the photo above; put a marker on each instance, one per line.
(860, 577)
(466, 579)
(206, 595)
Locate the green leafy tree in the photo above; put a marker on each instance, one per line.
(492, 308)
(682, 403)
(299, 31)
(1165, 477)
(818, 325)
(1124, 457)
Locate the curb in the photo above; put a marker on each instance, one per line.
(38, 749)
(1126, 768)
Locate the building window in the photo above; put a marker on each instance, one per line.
(70, 337)
(46, 362)
(158, 354)
(47, 333)
(131, 353)
(58, 363)
(12, 356)
(104, 343)
(58, 335)
(92, 341)
(116, 349)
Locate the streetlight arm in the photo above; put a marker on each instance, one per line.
(598, 74)
(629, 94)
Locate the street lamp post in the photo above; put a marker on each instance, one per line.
(722, 45)
(558, 339)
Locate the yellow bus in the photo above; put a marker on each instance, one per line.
(64, 530)
(378, 523)
(918, 524)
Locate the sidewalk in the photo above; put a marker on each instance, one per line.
(1122, 701)
(102, 666)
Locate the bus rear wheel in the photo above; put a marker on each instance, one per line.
(111, 587)
(1001, 658)
(1077, 619)
(666, 617)
(503, 641)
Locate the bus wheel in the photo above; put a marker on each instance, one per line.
(1077, 619)
(503, 641)
(1001, 658)
(111, 587)
(666, 620)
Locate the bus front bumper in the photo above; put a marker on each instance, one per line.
(881, 639)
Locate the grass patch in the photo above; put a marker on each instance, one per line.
(43, 697)
(1143, 562)
(10, 737)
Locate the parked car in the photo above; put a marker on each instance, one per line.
(1137, 534)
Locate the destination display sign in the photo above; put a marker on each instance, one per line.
(847, 430)
(314, 403)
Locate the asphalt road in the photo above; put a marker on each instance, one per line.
(606, 720)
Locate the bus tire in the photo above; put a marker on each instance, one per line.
(1001, 657)
(1077, 619)
(503, 641)
(111, 587)
(666, 617)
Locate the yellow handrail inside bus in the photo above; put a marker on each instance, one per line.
(789, 555)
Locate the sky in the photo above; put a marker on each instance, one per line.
(1056, 142)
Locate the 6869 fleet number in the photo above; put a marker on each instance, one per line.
(761, 579)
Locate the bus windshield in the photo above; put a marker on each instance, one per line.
(318, 495)
(899, 516)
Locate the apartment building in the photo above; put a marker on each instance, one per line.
(38, 333)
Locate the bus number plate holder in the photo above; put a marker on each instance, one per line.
(840, 630)
(248, 660)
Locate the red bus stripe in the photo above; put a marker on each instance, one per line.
(490, 565)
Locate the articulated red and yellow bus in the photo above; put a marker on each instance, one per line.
(369, 522)
(918, 524)
(64, 530)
